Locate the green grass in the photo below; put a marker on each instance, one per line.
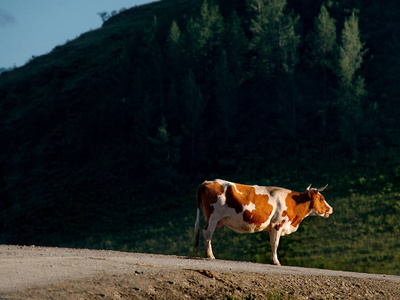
(362, 234)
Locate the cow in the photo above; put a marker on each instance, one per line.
(248, 209)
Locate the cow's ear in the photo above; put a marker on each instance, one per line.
(311, 194)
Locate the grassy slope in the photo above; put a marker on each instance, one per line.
(362, 235)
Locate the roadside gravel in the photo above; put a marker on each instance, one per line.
(61, 273)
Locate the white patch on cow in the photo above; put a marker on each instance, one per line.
(266, 223)
(277, 197)
(287, 228)
(250, 207)
(226, 184)
(221, 199)
(260, 190)
(223, 182)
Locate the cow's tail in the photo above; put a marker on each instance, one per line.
(197, 224)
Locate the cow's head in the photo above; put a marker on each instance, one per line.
(318, 205)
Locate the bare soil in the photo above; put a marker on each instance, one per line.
(57, 273)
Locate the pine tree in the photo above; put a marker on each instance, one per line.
(236, 47)
(323, 39)
(351, 90)
(323, 46)
(174, 45)
(164, 156)
(152, 63)
(193, 105)
(275, 42)
(204, 37)
(142, 123)
(204, 33)
(351, 51)
(226, 97)
(274, 36)
(176, 68)
(210, 24)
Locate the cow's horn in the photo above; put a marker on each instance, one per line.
(308, 187)
(321, 189)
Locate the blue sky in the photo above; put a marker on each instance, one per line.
(34, 27)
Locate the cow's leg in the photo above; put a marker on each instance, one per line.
(274, 237)
(208, 232)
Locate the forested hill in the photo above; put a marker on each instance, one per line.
(118, 124)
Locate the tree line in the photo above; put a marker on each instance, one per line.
(236, 79)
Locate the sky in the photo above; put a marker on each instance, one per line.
(34, 27)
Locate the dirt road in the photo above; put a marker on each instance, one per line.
(57, 273)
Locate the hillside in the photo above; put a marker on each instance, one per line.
(105, 139)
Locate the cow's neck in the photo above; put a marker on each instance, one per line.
(298, 207)
(300, 198)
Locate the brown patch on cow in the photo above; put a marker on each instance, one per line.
(236, 200)
(247, 216)
(298, 207)
(247, 195)
(277, 227)
(207, 195)
(262, 211)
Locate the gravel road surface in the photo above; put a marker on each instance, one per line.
(61, 273)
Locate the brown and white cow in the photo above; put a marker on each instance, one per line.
(255, 208)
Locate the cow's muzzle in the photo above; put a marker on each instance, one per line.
(328, 212)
